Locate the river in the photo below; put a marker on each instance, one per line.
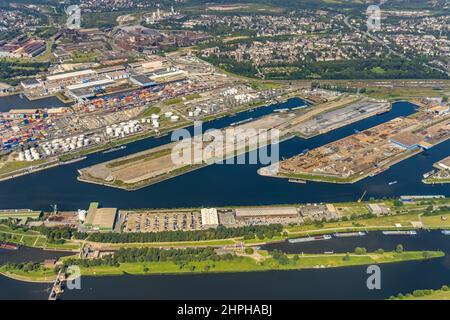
(337, 283)
(21, 102)
(226, 184)
(12, 289)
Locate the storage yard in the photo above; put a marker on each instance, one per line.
(337, 118)
(369, 152)
(202, 219)
(156, 164)
(117, 103)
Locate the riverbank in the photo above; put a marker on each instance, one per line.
(427, 294)
(48, 277)
(441, 174)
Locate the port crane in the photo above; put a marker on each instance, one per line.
(362, 197)
(54, 208)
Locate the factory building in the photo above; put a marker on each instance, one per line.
(377, 209)
(100, 219)
(30, 84)
(409, 141)
(88, 89)
(70, 76)
(209, 217)
(142, 81)
(444, 164)
(267, 215)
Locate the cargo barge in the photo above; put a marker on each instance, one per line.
(349, 234)
(310, 239)
(114, 149)
(9, 246)
(400, 233)
(241, 122)
(297, 181)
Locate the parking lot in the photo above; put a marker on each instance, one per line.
(161, 221)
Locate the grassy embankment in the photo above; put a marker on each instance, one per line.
(237, 264)
(33, 239)
(43, 275)
(440, 294)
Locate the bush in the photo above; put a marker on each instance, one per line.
(359, 250)
(249, 250)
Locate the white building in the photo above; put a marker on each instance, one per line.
(210, 218)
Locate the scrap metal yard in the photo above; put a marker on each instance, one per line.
(369, 152)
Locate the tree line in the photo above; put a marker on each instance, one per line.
(178, 256)
(247, 232)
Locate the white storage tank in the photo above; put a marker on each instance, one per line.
(82, 215)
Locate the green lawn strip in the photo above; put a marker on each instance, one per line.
(32, 238)
(317, 178)
(17, 165)
(436, 180)
(149, 111)
(382, 222)
(41, 275)
(145, 157)
(245, 264)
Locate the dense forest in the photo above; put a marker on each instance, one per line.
(388, 68)
(11, 71)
